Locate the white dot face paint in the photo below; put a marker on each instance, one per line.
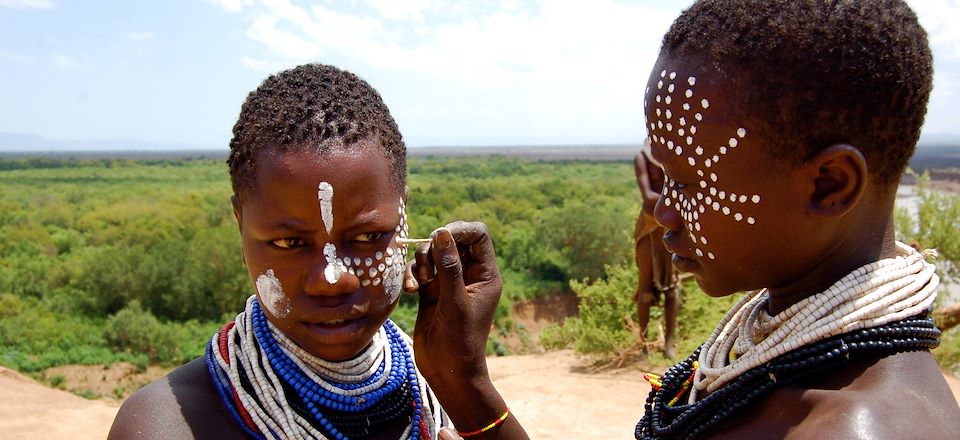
(271, 294)
(334, 266)
(693, 200)
(325, 195)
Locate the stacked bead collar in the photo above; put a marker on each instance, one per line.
(662, 420)
(876, 310)
(884, 291)
(275, 389)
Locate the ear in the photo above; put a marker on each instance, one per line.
(238, 214)
(237, 209)
(839, 176)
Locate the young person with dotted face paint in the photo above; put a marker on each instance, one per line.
(783, 128)
(318, 169)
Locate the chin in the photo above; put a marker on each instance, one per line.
(714, 290)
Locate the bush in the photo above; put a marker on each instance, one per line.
(134, 330)
(606, 323)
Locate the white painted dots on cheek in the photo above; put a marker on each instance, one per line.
(707, 194)
(384, 266)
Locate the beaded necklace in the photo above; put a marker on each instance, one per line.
(275, 389)
(876, 310)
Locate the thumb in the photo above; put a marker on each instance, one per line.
(448, 434)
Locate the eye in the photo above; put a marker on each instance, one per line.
(673, 184)
(287, 243)
(369, 237)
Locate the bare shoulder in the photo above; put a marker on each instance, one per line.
(900, 396)
(182, 405)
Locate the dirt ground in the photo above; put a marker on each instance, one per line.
(553, 394)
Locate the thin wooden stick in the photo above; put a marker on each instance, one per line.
(413, 240)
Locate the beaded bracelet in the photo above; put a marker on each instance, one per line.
(492, 425)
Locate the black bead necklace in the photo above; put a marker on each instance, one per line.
(689, 421)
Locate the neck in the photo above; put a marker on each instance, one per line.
(866, 239)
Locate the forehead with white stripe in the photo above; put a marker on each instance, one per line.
(677, 111)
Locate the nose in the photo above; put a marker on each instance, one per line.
(665, 213)
(329, 278)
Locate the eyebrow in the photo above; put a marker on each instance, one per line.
(373, 217)
(291, 225)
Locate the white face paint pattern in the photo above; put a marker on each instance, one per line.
(325, 195)
(709, 193)
(271, 294)
(384, 266)
(335, 267)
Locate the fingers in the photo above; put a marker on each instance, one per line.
(461, 253)
(410, 284)
(444, 251)
(423, 264)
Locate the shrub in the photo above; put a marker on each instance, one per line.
(135, 330)
(606, 325)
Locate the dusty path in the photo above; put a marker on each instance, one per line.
(30, 410)
(550, 393)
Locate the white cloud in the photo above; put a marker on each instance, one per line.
(233, 5)
(556, 41)
(145, 35)
(939, 18)
(263, 65)
(61, 61)
(27, 4)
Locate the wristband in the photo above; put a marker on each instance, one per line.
(492, 425)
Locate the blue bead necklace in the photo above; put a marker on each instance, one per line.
(355, 406)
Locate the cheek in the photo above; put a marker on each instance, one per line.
(272, 297)
(382, 268)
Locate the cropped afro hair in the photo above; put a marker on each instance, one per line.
(316, 108)
(820, 72)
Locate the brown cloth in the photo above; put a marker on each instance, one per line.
(664, 275)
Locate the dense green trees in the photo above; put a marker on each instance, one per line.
(103, 260)
(106, 260)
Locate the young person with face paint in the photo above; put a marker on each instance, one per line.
(318, 169)
(783, 128)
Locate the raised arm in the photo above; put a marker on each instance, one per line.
(459, 286)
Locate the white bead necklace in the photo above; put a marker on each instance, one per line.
(268, 406)
(878, 293)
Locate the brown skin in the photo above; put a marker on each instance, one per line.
(459, 285)
(281, 229)
(649, 246)
(817, 221)
(827, 217)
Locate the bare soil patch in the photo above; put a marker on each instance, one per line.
(115, 381)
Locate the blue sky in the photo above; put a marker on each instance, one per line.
(173, 73)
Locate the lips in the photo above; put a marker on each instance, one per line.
(673, 241)
(334, 331)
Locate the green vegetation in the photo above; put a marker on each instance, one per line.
(606, 328)
(935, 226)
(139, 261)
(119, 260)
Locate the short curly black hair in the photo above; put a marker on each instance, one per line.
(826, 71)
(313, 107)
